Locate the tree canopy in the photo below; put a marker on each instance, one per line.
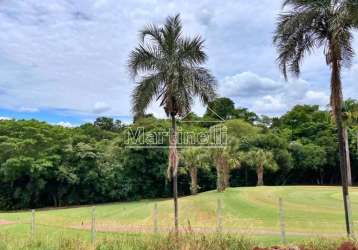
(48, 165)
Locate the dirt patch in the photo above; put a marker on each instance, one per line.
(348, 246)
(6, 222)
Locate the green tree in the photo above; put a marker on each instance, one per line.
(278, 146)
(224, 161)
(350, 118)
(168, 68)
(108, 123)
(220, 109)
(309, 157)
(105, 123)
(246, 115)
(260, 160)
(226, 156)
(193, 159)
(310, 24)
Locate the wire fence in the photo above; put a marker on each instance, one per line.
(276, 221)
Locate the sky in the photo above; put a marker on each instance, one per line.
(64, 61)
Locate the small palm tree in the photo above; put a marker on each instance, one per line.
(307, 25)
(225, 159)
(167, 66)
(260, 160)
(221, 159)
(193, 159)
(225, 156)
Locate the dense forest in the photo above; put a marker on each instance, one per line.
(50, 165)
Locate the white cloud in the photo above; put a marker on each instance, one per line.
(354, 71)
(269, 105)
(350, 82)
(100, 107)
(248, 84)
(268, 96)
(5, 118)
(67, 54)
(65, 124)
(28, 109)
(316, 97)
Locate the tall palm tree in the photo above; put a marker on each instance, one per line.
(168, 69)
(306, 25)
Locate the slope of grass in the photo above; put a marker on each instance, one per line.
(309, 211)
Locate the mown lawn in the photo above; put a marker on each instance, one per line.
(249, 211)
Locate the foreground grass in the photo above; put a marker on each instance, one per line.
(12, 233)
(187, 241)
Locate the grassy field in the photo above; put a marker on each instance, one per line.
(253, 211)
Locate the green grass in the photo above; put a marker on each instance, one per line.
(249, 211)
(184, 241)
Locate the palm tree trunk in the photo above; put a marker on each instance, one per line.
(194, 180)
(336, 103)
(173, 161)
(220, 185)
(226, 172)
(260, 176)
(349, 171)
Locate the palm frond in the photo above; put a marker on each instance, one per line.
(297, 33)
(191, 50)
(152, 31)
(201, 83)
(301, 4)
(352, 6)
(145, 92)
(172, 32)
(144, 58)
(341, 36)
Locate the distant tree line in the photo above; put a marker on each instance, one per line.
(49, 165)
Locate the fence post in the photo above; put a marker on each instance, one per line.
(219, 216)
(155, 218)
(93, 225)
(352, 235)
(32, 223)
(282, 220)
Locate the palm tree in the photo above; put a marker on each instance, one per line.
(307, 25)
(260, 160)
(167, 67)
(226, 158)
(193, 159)
(221, 160)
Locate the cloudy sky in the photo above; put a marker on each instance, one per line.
(64, 61)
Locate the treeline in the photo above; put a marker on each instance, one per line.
(48, 165)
